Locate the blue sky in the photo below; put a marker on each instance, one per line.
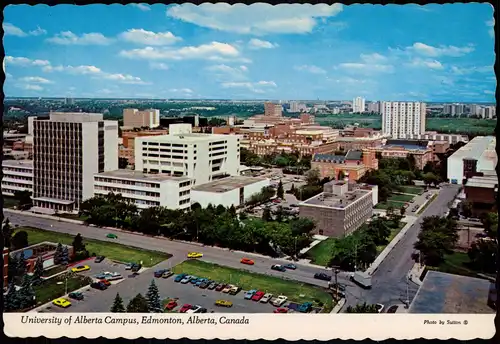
(408, 52)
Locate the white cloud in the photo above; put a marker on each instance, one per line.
(244, 68)
(426, 63)
(373, 58)
(12, 30)
(471, 70)
(29, 87)
(24, 61)
(256, 87)
(214, 51)
(141, 36)
(488, 92)
(96, 73)
(223, 71)
(35, 79)
(491, 27)
(142, 7)
(311, 69)
(366, 67)
(259, 18)
(257, 44)
(158, 65)
(69, 38)
(442, 50)
(181, 90)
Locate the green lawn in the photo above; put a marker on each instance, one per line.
(400, 198)
(393, 234)
(54, 270)
(455, 263)
(322, 252)
(110, 250)
(414, 190)
(295, 291)
(56, 287)
(73, 217)
(427, 204)
(385, 205)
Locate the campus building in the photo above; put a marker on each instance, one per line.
(348, 166)
(145, 190)
(338, 211)
(477, 155)
(133, 118)
(231, 191)
(435, 136)
(17, 176)
(403, 118)
(127, 147)
(421, 151)
(69, 148)
(182, 153)
(481, 191)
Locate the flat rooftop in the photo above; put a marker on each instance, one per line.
(482, 182)
(329, 200)
(228, 184)
(188, 138)
(447, 293)
(475, 148)
(138, 175)
(18, 163)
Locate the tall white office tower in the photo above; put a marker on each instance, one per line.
(68, 149)
(358, 105)
(400, 119)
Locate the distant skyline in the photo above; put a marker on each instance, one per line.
(435, 53)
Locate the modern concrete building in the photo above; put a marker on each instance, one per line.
(374, 107)
(17, 176)
(69, 148)
(338, 211)
(231, 191)
(181, 153)
(358, 105)
(133, 118)
(127, 148)
(403, 118)
(477, 155)
(145, 190)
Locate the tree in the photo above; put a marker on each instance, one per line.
(483, 255)
(7, 232)
(24, 201)
(19, 240)
(38, 270)
(65, 255)
(313, 177)
(118, 305)
(138, 305)
(402, 210)
(362, 308)
(280, 214)
(12, 269)
(266, 214)
(292, 189)
(153, 297)
(490, 223)
(11, 299)
(21, 265)
(437, 238)
(466, 208)
(78, 244)
(58, 254)
(26, 293)
(280, 192)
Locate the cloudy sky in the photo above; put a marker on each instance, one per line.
(409, 52)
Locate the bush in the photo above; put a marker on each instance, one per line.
(81, 255)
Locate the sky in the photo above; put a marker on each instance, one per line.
(441, 53)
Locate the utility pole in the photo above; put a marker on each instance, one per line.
(336, 283)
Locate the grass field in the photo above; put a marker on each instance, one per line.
(73, 217)
(54, 270)
(110, 250)
(456, 263)
(322, 252)
(385, 205)
(414, 190)
(56, 287)
(295, 291)
(400, 198)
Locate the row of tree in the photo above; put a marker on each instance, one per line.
(283, 159)
(139, 304)
(215, 226)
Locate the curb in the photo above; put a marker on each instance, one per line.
(338, 307)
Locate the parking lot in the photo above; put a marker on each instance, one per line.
(128, 287)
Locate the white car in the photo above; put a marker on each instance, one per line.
(193, 309)
(380, 307)
(266, 298)
(280, 301)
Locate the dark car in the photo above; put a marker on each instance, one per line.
(76, 295)
(220, 287)
(392, 309)
(322, 276)
(202, 310)
(278, 267)
(99, 285)
(204, 284)
(179, 277)
(291, 266)
(159, 273)
(212, 286)
(136, 267)
(336, 286)
(99, 259)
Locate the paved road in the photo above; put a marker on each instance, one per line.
(389, 280)
(177, 249)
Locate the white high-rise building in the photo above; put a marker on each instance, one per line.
(403, 118)
(374, 107)
(68, 149)
(181, 153)
(358, 104)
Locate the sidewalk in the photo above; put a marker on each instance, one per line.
(51, 217)
(338, 306)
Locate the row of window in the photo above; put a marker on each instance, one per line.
(127, 182)
(6, 170)
(149, 143)
(109, 189)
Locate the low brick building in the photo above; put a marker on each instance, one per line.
(45, 249)
(333, 166)
(481, 192)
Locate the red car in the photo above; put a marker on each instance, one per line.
(105, 282)
(280, 310)
(276, 200)
(247, 261)
(185, 308)
(257, 296)
(171, 305)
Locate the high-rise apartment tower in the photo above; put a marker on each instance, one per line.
(403, 118)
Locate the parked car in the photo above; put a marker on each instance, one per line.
(220, 287)
(185, 308)
(136, 267)
(159, 273)
(227, 288)
(380, 307)
(200, 281)
(128, 266)
(291, 266)
(322, 276)
(186, 280)
(266, 298)
(99, 259)
(278, 267)
(279, 301)
(62, 302)
(247, 261)
(234, 290)
(80, 268)
(99, 285)
(249, 294)
(114, 276)
(167, 274)
(195, 255)
(179, 277)
(212, 286)
(194, 279)
(280, 310)
(105, 282)
(204, 284)
(305, 307)
(171, 305)
(392, 309)
(294, 205)
(258, 296)
(223, 303)
(112, 236)
(76, 295)
(336, 286)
